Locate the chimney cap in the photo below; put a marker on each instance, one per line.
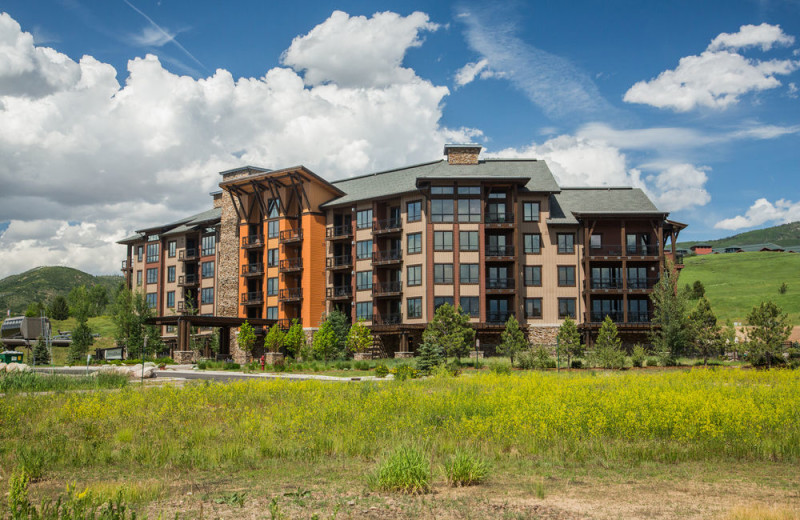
(466, 146)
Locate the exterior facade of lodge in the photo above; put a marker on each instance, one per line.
(496, 236)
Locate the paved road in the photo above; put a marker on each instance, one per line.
(185, 372)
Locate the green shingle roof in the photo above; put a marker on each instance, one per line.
(599, 200)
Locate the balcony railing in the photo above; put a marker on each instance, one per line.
(607, 283)
(339, 292)
(495, 251)
(642, 283)
(499, 218)
(388, 319)
(500, 283)
(291, 294)
(285, 323)
(291, 264)
(616, 316)
(498, 317)
(187, 255)
(628, 250)
(253, 269)
(638, 317)
(291, 235)
(338, 232)
(252, 298)
(252, 241)
(188, 280)
(339, 262)
(387, 288)
(387, 256)
(389, 225)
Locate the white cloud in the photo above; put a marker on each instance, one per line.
(679, 186)
(357, 51)
(153, 37)
(121, 157)
(468, 72)
(782, 211)
(718, 76)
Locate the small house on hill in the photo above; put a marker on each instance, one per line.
(701, 249)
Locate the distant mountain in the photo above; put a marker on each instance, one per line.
(45, 283)
(783, 235)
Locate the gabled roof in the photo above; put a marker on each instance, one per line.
(571, 203)
(534, 174)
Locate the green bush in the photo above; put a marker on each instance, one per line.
(404, 371)
(454, 367)
(405, 470)
(500, 367)
(361, 365)
(466, 468)
(652, 362)
(577, 363)
(230, 365)
(638, 356)
(536, 358)
(381, 370)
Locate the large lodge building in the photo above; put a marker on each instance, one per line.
(495, 236)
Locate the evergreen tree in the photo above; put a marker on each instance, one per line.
(607, 353)
(512, 339)
(706, 337)
(81, 340)
(429, 356)
(340, 326)
(698, 290)
(359, 338)
(450, 330)
(670, 330)
(274, 340)
(294, 339)
(770, 328)
(569, 340)
(59, 309)
(40, 353)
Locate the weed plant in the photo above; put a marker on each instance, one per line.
(36, 382)
(404, 470)
(466, 468)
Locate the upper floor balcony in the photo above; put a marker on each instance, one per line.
(339, 232)
(498, 317)
(618, 251)
(288, 265)
(619, 317)
(252, 241)
(339, 292)
(188, 280)
(504, 253)
(291, 294)
(498, 218)
(126, 266)
(392, 318)
(249, 270)
(252, 298)
(386, 226)
(188, 255)
(285, 323)
(387, 256)
(289, 236)
(387, 289)
(501, 285)
(339, 262)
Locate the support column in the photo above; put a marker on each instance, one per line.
(624, 276)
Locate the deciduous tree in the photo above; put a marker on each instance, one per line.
(359, 338)
(512, 339)
(450, 330)
(275, 339)
(569, 340)
(706, 338)
(670, 330)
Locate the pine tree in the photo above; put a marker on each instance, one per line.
(569, 340)
(450, 330)
(706, 332)
(40, 353)
(512, 339)
(607, 353)
(769, 329)
(429, 356)
(670, 331)
(59, 309)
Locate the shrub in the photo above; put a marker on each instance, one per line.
(360, 365)
(405, 470)
(381, 370)
(454, 367)
(537, 357)
(576, 363)
(652, 362)
(783, 288)
(500, 367)
(404, 371)
(666, 359)
(466, 468)
(230, 365)
(638, 356)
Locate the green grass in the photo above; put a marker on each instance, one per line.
(406, 470)
(466, 468)
(737, 282)
(34, 382)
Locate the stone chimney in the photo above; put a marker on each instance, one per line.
(462, 153)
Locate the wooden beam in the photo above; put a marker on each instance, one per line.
(258, 190)
(235, 207)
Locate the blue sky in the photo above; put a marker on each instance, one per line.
(116, 115)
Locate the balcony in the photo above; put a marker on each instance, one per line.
(499, 218)
(606, 283)
(616, 251)
(182, 308)
(339, 292)
(339, 232)
(285, 323)
(501, 285)
(386, 226)
(188, 280)
(126, 266)
(291, 294)
(291, 235)
(252, 298)
(188, 255)
(498, 317)
(385, 289)
(500, 252)
(388, 319)
(642, 284)
(388, 256)
(339, 262)
(249, 270)
(599, 317)
(252, 241)
(289, 265)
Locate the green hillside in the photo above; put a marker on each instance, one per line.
(737, 282)
(45, 283)
(783, 235)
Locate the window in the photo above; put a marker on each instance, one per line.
(468, 240)
(139, 277)
(414, 211)
(566, 243)
(414, 243)
(415, 307)
(273, 229)
(152, 253)
(364, 311)
(566, 307)
(469, 273)
(364, 219)
(469, 210)
(139, 253)
(171, 274)
(152, 275)
(566, 275)
(414, 275)
(533, 307)
(207, 269)
(172, 248)
(442, 240)
(497, 195)
(152, 300)
(442, 273)
(363, 280)
(469, 190)
(596, 242)
(441, 190)
(470, 305)
(532, 243)
(171, 328)
(207, 295)
(171, 299)
(272, 313)
(272, 286)
(364, 249)
(272, 208)
(438, 301)
(530, 211)
(209, 245)
(152, 238)
(272, 257)
(441, 210)
(496, 212)
(533, 275)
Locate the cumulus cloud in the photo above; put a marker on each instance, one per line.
(719, 75)
(121, 157)
(762, 211)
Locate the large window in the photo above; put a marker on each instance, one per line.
(532, 243)
(364, 311)
(207, 269)
(152, 275)
(414, 275)
(415, 307)
(533, 308)
(364, 219)
(442, 240)
(139, 253)
(152, 300)
(209, 245)
(566, 243)
(468, 240)
(566, 275)
(533, 275)
(364, 249)
(207, 295)
(566, 307)
(442, 273)
(171, 273)
(530, 211)
(414, 211)
(273, 229)
(172, 248)
(471, 305)
(469, 210)
(170, 299)
(438, 301)
(469, 273)
(272, 286)
(272, 313)
(363, 280)
(442, 210)
(414, 243)
(152, 253)
(272, 257)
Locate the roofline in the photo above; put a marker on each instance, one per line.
(242, 168)
(608, 188)
(281, 171)
(373, 174)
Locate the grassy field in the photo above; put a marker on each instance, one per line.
(670, 444)
(735, 283)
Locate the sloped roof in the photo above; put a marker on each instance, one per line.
(757, 247)
(535, 174)
(211, 216)
(564, 206)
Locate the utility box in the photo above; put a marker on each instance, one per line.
(10, 356)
